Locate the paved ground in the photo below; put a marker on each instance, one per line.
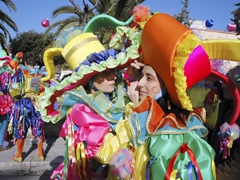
(54, 150)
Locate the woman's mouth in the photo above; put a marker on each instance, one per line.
(142, 93)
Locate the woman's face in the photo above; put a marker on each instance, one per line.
(105, 81)
(149, 83)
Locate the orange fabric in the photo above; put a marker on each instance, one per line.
(158, 118)
(14, 64)
(20, 144)
(40, 147)
(159, 49)
(199, 113)
(27, 73)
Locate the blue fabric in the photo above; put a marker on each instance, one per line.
(3, 128)
(24, 116)
(137, 119)
(98, 57)
(69, 100)
(161, 93)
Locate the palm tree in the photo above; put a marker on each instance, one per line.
(120, 9)
(5, 19)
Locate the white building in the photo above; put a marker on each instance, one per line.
(199, 28)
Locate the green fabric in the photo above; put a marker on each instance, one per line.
(121, 59)
(164, 147)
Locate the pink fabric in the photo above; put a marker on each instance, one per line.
(91, 128)
(6, 103)
(59, 171)
(198, 60)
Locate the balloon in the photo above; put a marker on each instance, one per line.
(45, 22)
(231, 27)
(209, 23)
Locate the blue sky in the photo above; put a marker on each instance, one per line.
(30, 13)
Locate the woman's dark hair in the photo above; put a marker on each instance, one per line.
(29, 59)
(180, 113)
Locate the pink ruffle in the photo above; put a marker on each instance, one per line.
(91, 128)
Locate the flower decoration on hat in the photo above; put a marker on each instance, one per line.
(141, 14)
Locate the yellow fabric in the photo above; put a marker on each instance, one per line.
(214, 169)
(197, 96)
(212, 118)
(26, 89)
(48, 56)
(183, 52)
(112, 143)
(141, 157)
(80, 47)
(78, 158)
(222, 49)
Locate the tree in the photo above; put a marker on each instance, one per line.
(183, 17)
(120, 9)
(236, 19)
(33, 43)
(6, 20)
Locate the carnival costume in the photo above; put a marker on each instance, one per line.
(26, 89)
(160, 138)
(90, 115)
(6, 101)
(144, 123)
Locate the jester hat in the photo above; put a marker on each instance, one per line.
(87, 56)
(179, 57)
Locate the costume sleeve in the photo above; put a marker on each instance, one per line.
(114, 141)
(230, 168)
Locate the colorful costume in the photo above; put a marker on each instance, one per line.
(26, 89)
(87, 114)
(158, 138)
(6, 101)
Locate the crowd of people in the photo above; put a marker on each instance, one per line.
(141, 109)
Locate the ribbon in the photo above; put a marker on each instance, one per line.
(150, 162)
(71, 147)
(191, 166)
(81, 157)
(184, 148)
(226, 142)
(66, 160)
(175, 175)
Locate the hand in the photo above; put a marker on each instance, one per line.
(136, 64)
(133, 92)
(134, 71)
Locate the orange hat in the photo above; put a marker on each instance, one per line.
(176, 54)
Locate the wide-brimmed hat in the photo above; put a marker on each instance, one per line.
(179, 57)
(87, 57)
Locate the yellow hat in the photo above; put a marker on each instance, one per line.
(74, 52)
(80, 47)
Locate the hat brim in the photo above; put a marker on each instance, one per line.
(78, 78)
(85, 72)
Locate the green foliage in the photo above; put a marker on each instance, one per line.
(236, 17)
(6, 21)
(79, 16)
(34, 43)
(183, 17)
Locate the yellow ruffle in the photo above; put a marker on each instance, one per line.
(183, 52)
